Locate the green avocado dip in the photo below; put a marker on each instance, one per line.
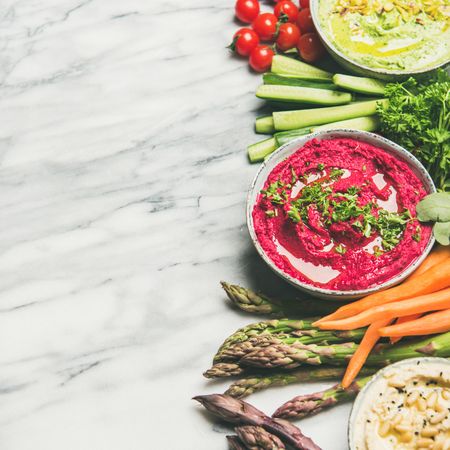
(391, 35)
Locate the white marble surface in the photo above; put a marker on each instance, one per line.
(123, 177)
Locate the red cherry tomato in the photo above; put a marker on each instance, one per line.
(304, 21)
(287, 8)
(304, 3)
(310, 47)
(288, 36)
(265, 26)
(247, 10)
(261, 58)
(244, 41)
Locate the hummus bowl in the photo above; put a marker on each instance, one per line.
(404, 406)
(317, 212)
(384, 39)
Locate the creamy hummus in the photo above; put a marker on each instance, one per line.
(393, 35)
(340, 214)
(407, 407)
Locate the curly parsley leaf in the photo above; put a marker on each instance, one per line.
(418, 118)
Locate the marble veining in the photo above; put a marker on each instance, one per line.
(123, 179)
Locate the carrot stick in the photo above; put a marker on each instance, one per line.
(401, 320)
(437, 322)
(432, 280)
(437, 255)
(424, 303)
(362, 352)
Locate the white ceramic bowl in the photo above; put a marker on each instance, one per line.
(358, 404)
(288, 149)
(360, 69)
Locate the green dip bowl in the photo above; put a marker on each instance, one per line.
(360, 69)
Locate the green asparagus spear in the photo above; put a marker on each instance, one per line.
(237, 351)
(221, 370)
(271, 327)
(309, 404)
(291, 356)
(294, 355)
(255, 437)
(252, 302)
(257, 382)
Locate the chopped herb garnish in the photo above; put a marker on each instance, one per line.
(340, 249)
(294, 176)
(336, 173)
(338, 207)
(293, 214)
(321, 166)
(418, 234)
(377, 251)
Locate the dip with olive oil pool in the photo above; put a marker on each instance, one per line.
(391, 35)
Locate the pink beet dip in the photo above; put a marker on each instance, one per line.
(340, 214)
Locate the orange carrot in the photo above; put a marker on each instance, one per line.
(437, 255)
(362, 352)
(432, 280)
(401, 320)
(438, 322)
(425, 303)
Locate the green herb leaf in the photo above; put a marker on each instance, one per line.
(441, 231)
(434, 207)
(340, 249)
(417, 117)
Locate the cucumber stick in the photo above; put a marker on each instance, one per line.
(362, 85)
(302, 95)
(283, 137)
(273, 78)
(257, 152)
(290, 120)
(264, 125)
(367, 123)
(283, 65)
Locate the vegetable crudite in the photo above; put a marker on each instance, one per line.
(242, 413)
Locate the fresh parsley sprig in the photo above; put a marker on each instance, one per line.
(418, 118)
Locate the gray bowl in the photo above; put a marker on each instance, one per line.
(360, 69)
(288, 149)
(358, 404)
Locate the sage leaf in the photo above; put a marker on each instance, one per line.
(441, 231)
(434, 207)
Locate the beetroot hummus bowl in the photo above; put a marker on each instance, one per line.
(334, 213)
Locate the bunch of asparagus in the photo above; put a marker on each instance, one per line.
(278, 352)
(282, 351)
